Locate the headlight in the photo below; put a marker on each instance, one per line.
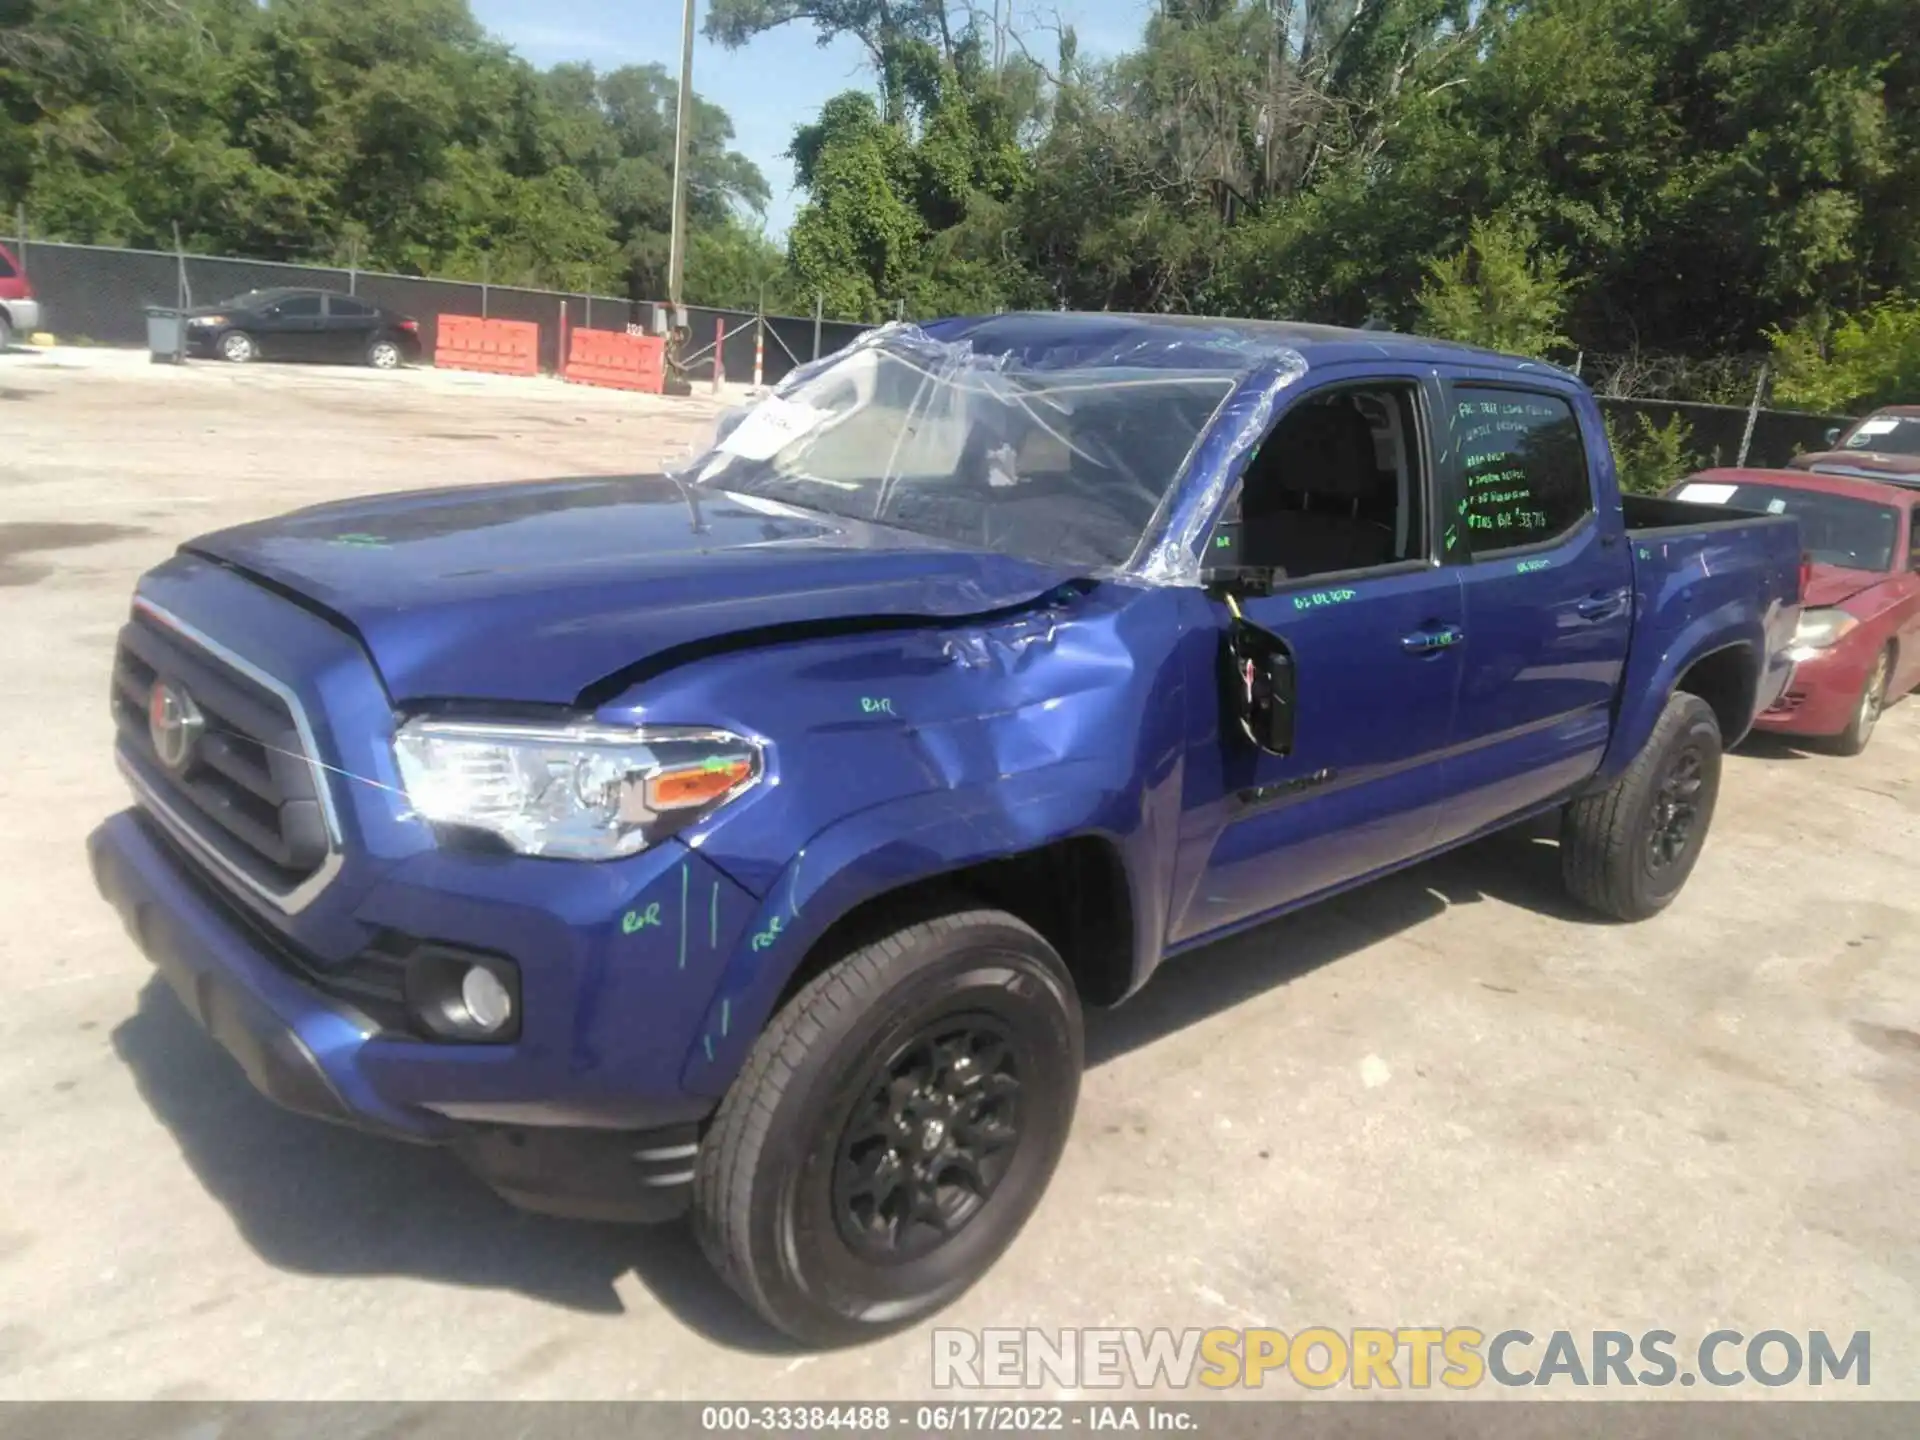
(582, 792)
(206, 321)
(1819, 630)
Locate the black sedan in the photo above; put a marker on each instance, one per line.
(302, 325)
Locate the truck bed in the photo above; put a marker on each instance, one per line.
(1656, 512)
(1704, 571)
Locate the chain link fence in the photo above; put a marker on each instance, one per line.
(97, 294)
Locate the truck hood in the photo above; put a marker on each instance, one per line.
(1836, 584)
(1873, 464)
(535, 592)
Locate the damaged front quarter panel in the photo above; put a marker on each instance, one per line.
(896, 756)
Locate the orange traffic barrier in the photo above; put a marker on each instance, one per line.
(617, 360)
(499, 347)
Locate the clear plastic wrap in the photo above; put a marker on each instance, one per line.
(1051, 439)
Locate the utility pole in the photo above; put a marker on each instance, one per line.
(677, 241)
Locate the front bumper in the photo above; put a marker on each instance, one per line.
(319, 1056)
(1823, 694)
(22, 315)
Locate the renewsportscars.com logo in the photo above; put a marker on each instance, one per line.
(1415, 1358)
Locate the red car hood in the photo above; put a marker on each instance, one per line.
(1835, 584)
(1900, 469)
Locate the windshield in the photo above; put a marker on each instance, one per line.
(1834, 529)
(1889, 434)
(1066, 465)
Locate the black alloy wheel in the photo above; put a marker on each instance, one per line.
(933, 1137)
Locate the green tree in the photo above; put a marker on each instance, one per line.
(1499, 290)
(1862, 361)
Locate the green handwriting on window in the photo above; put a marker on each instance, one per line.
(1527, 567)
(639, 920)
(882, 706)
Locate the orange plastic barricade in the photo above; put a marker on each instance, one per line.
(617, 360)
(498, 347)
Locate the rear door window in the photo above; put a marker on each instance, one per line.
(1522, 465)
(296, 307)
(347, 305)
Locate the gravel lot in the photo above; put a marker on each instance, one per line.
(1445, 1099)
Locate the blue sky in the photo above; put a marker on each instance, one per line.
(774, 84)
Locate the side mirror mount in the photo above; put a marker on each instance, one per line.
(1258, 682)
(1833, 436)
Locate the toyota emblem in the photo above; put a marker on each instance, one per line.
(174, 723)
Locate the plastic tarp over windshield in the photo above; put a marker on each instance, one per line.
(1069, 445)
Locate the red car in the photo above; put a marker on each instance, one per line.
(19, 311)
(1884, 446)
(1858, 646)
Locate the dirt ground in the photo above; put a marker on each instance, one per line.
(1446, 1099)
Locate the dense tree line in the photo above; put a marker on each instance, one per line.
(1675, 178)
(394, 134)
(1681, 177)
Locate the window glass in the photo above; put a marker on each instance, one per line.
(347, 305)
(1522, 465)
(6, 266)
(296, 307)
(1889, 434)
(1839, 530)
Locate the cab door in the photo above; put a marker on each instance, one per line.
(1547, 586)
(1376, 664)
(291, 328)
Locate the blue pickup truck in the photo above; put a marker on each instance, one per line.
(745, 840)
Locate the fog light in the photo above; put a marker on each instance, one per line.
(488, 1004)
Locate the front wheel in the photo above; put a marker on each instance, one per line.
(1627, 850)
(237, 347)
(1866, 710)
(893, 1128)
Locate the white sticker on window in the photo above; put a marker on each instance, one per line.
(1708, 494)
(1776, 506)
(1876, 427)
(770, 427)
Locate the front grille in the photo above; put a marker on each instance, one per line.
(246, 791)
(373, 982)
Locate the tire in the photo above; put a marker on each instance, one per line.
(792, 1198)
(1867, 709)
(6, 333)
(237, 347)
(383, 354)
(1619, 851)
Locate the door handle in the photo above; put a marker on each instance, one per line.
(1601, 606)
(1432, 642)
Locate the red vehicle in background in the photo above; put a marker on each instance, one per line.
(1884, 446)
(1858, 645)
(19, 311)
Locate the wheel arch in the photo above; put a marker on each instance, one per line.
(1077, 884)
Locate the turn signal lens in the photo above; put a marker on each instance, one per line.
(693, 785)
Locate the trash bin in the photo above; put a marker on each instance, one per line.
(166, 335)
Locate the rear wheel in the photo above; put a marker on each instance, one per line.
(383, 354)
(237, 347)
(1628, 850)
(1866, 710)
(893, 1128)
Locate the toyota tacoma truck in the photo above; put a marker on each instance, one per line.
(746, 839)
